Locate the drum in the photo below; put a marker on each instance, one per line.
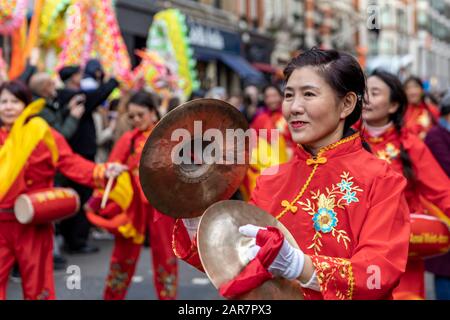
(46, 205)
(429, 236)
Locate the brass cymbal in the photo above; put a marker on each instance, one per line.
(222, 248)
(186, 189)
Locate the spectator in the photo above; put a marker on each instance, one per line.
(64, 119)
(105, 120)
(84, 142)
(236, 101)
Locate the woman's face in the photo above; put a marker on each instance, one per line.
(141, 117)
(272, 99)
(10, 108)
(414, 92)
(379, 107)
(314, 113)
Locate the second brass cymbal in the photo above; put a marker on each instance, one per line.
(222, 248)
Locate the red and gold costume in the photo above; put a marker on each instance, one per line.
(346, 210)
(268, 151)
(419, 119)
(142, 217)
(30, 155)
(431, 185)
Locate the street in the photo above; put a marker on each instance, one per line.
(193, 285)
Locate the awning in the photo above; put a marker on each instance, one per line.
(237, 63)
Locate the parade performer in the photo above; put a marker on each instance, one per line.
(407, 155)
(142, 111)
(345, 208)
(30, 154)
(420, 116)
(269, 150)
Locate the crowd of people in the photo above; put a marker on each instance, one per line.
(334, 120)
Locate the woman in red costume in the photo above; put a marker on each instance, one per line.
(270, 149)
(420, 116)
(30, 154)
(345, 208)
(407, 155)
(142, 111)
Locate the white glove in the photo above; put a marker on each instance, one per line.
(288, 263)
(191, 226)
(114, 169)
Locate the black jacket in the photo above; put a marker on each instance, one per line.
(84, 139)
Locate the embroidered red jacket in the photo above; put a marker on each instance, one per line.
(419, 119)
(431, 181)
(347, 211)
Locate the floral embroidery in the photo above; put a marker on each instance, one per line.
(390, 153)
(424, 119)
(118, 277)
(316, 161)
(44, 295)
(323, 211)
(167, 277)
(329, 270)
(350, 197)
(325, 220)
(345, 185)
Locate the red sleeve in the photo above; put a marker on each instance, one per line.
(379, 258)
(432, 182)
(77, 168)
(183, 247)
(122, 147)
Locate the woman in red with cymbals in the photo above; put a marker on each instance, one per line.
(345, 208)
(408, 155)
(30, 154)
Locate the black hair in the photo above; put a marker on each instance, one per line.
(19, 90)
(272, 86)
(415, 79)
(397, 95)
(147, 100)
(340, 70)
(173, 103)
(114, 104)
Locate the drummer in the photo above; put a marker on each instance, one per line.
(408, 155)
(30, 154)
(345, 208)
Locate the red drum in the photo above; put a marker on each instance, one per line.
(46, 205)
(429, 236)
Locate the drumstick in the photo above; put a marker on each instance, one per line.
(107, 191)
